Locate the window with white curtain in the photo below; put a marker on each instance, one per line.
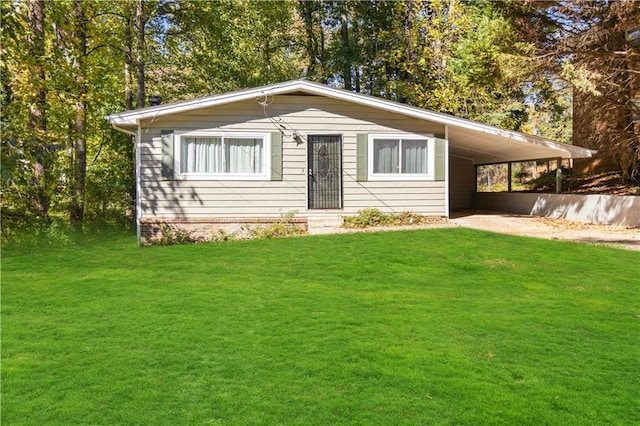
(400, 157)
(223, 156)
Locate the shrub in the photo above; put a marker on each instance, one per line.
(366, 218)
(374, 217)
(171, 235)
(220, 235)
(408, 218)
(284, 227)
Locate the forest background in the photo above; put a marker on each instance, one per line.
(568, 71)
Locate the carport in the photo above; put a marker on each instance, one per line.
(473, 144)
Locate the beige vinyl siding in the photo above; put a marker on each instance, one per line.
(305, 114)
(461, 182)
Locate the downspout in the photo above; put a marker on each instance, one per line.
(446, 172)
(138, 182)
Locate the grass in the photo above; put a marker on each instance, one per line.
(445, 326)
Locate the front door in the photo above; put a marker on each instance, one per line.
(325, 171)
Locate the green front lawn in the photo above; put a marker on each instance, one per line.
(443, 326)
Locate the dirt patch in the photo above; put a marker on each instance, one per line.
(572, 224)
(499, 264)
(604, 183)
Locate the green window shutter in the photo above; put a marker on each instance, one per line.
(276, 156)
(362, 145)
(440, 160)
(167, 154)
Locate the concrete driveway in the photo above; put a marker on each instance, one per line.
(556, 229)
(504, 223)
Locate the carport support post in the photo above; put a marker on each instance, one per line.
(559, 176)
(475, 168)
(509, 177)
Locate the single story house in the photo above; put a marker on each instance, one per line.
(255, 155)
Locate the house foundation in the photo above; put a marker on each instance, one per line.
(210, 229)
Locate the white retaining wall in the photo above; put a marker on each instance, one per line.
(600, 209)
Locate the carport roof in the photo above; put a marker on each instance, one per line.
(476, 141)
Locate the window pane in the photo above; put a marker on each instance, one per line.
(243, 155)
(386, 156)
(201, 155)
(414, 156)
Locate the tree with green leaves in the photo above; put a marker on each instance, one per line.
(27, 150)
(519, 65)
(47, 138)
(212, 47)
(585, 45)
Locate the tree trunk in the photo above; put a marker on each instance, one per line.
(632, 57)
(311, 43)
(140, 53)
(80, 145)
(267, 58)
(37, 109)
(410, 67)
(346, 48)
(128, 64)
(128, 51)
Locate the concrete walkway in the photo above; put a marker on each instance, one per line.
(556, 229)
(528, 226)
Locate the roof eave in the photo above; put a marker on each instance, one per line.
(572, 151)
(133, 118)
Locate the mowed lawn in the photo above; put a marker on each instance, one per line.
(443, 326)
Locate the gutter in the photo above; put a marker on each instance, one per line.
(123, 130)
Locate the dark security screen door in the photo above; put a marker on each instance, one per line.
(325, 171)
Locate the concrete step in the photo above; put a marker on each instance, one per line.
(321, 223)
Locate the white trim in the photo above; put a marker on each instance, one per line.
(447, 210)
(306, 175)
(266, 152)
(130, 117)
(135, 116)
(123, 130)
(138, 149)
(429, 176)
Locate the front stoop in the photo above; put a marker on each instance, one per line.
(324, 224)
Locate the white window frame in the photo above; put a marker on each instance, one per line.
(266, 152)
(402, 176)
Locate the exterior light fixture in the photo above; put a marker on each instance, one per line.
(297, 138)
